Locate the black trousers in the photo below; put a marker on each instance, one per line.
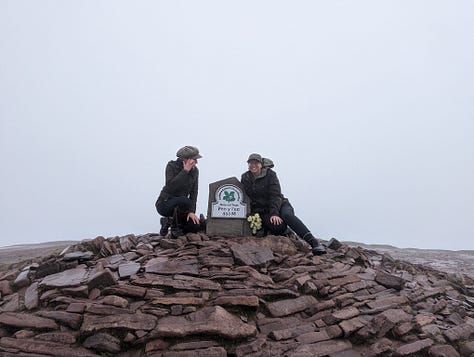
(178, 208)
(287, 214)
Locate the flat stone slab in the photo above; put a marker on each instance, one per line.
(213, 320)
(128, 269)
(189, 267)
(277, 244)
(20, 320)
(396, 315)
(45, 347)
(22, 279)
(344, 280)
(81, 256)
(414, 347)
(252, 256)
(461, 332)
(387, 302)
(347, 313)
(100, 279)
(116, 301)
(321, 348)
(189, 300)
(384, 322)
(389, 281)
(181, 282)
(291, 306)
(125, 290)
(11, 303)
(321, 335)
(351, 325)
(5, 288)
(102, 309)
(103, 342)
(251, 301)
(94, 323)
(269, 324)
(443, 351)
(66, 338)
(70, 319)
(292, 332)
(67, 278)
(31, 297)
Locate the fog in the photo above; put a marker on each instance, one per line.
(366, 108)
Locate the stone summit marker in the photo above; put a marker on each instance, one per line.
(227, 209)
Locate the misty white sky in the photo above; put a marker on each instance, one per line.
(366, 108)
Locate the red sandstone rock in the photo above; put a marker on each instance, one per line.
(321, 348)
(291, 306)
(199, 294)
(93, 323)
(210, 320)
(45, 348)
(414, 347)
(21, 320)
(443, 351)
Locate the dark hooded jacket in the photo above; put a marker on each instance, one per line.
(180, 183)
(264, 192)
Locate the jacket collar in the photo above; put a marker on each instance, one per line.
(263, 173)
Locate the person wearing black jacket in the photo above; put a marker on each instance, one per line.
(262, 186)
(177, 200)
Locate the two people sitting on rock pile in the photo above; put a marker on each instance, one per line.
(177, 200)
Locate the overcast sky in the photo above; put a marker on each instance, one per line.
(366, 108)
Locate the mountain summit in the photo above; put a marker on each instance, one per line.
(245, 296)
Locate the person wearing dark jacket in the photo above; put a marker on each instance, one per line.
(262, 186)
(177, 200)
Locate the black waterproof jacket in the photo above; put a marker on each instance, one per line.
(264, 192)
(180, 183)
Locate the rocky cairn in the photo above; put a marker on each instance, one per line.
(213, 296)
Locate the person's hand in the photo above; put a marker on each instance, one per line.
(188, 164)
(193, 217)
(276, 220)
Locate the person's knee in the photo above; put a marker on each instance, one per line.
(286, 213)
(286, 216)
(160, 210)
(184, 204)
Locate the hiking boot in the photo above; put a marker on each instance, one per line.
(316, 248)
(165, 225)
(176, 232)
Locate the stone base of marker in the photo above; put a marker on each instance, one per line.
(227, 228)
(227, 209)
